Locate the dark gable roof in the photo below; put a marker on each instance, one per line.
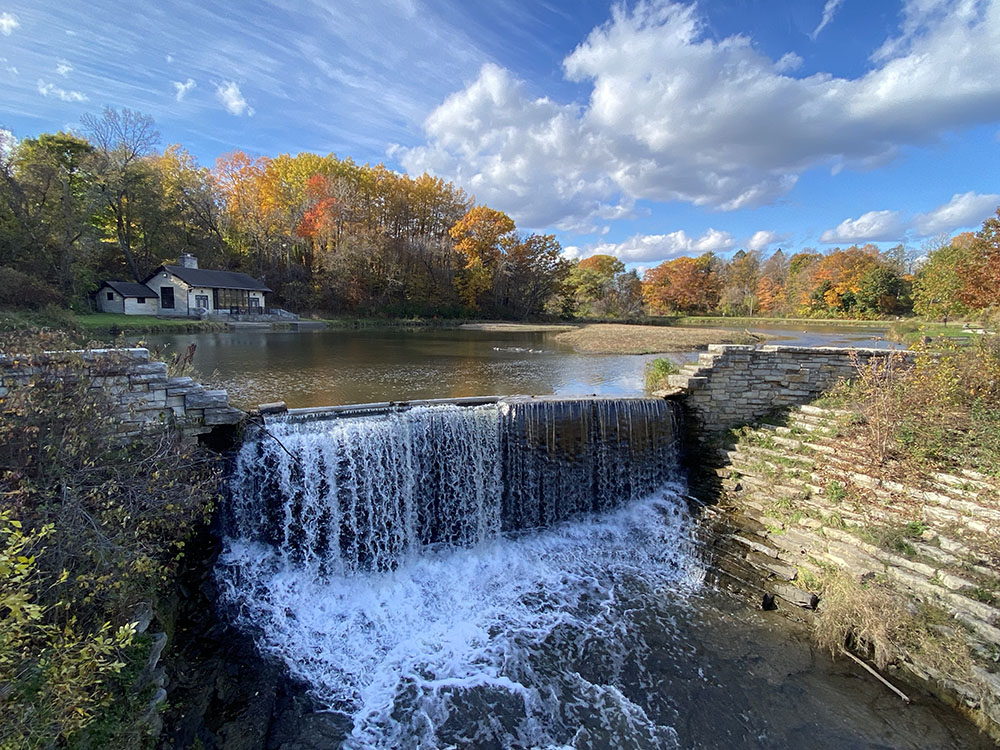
(130, 289)
(214, 279)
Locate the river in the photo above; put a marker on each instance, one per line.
(337, 366)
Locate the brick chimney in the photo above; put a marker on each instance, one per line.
(188, 261)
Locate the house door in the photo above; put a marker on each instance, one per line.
(167, 297)
(201, 301)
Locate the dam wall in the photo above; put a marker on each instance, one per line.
(141, 392)
(732, 385)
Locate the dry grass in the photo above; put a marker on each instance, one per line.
(871, 617)
(519, 327)
(614, 338)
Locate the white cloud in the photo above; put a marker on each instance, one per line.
(64, 68)
(963, 210)
(169, 58)
(675, 114)
(7, 145)
(764, 238)
(657, 247)
(228, 92)
(50, 89)
(874, 226)
(8, 23)
(828, 12)
(183, 88)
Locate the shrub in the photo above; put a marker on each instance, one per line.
(95, 527)
(657, 373)
(19, 291)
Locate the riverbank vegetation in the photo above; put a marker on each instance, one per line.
(335, 238)
(92, 532)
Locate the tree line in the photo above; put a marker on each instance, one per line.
(324, 233)
(328, 234)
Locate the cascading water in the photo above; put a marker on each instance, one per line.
(467, 577)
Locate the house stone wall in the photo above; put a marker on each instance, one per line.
(150, 307)
(732, 385)
(113, 305)
(143, 395)
(181, 289)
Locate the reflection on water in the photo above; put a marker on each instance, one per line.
(328, 367)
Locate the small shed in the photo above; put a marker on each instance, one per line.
(127, 297)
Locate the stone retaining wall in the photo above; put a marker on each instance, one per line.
(732, 385)
(140, 390)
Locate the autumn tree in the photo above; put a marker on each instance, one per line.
(532, 270)
(683, 285)
(739, 283)
(479, 238)
(979, 267)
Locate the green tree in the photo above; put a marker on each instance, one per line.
(121, 138)
(937, 289)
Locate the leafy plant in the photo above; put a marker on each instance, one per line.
(657, 373)
(92, 526)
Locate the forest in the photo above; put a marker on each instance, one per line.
(333, 237)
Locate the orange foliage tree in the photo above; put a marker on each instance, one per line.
(682, 285)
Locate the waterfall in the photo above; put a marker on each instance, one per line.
(483, 576)
(362, 493)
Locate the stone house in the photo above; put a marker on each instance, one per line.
(187, 291)
(127, 297)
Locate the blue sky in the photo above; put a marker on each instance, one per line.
(648, 130)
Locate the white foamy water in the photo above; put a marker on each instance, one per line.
(467, 577)
(514, 642)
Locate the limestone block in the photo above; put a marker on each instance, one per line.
(223, 416)
(153, 378)
(149, 368)
(207, 399)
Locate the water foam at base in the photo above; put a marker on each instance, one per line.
(534, 640)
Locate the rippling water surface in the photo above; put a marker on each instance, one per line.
(327, 367)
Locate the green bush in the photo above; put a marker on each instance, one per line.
(657, 373)
(94, 527)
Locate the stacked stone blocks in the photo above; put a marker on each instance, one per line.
(732, 385)
(141, 392)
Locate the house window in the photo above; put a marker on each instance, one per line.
(201, 301)
(111, 296)
(167, 297)
(233, 299)
(140, 300)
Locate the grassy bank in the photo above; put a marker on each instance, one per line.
(912, 332)
(99, 324)
(611, 338)
(707, 320)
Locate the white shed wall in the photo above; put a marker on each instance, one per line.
(114, 305)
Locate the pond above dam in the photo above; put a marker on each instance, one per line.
(337, 366)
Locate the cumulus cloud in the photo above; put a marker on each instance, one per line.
(829, 10)
(64, 68)
(8, 23)
(183, 88)
(874, 226)
(963, 210)
(50, 89)
(658, 247)
(675, 114)
(763, 239)
(228, 92)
